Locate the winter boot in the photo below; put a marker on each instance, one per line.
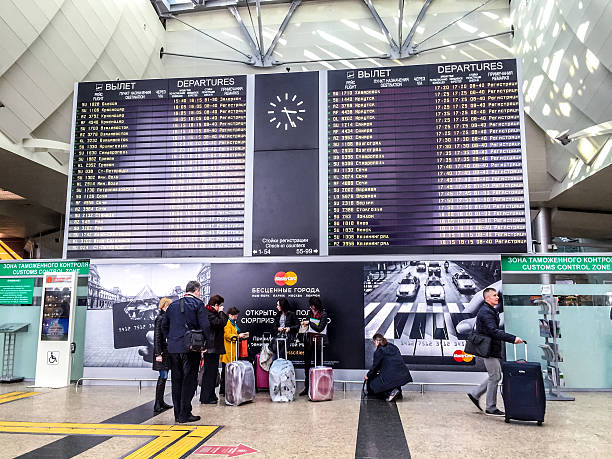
(160, 405)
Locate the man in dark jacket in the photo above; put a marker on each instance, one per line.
(389, 372)
(214, 348)
(183, 362)
(487, 323)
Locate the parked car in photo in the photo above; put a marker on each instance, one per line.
(464, 282)
(408, 288)
(434, 269)
(413, 262)
(421, 267)
(434, 291)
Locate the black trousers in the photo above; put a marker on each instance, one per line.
(184, 376)
(209, 377)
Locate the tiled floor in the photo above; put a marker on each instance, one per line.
(436, 424)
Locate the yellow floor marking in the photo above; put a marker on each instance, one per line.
(180, 448)
(17, 397)
(82, 425)
(178, 439)
(155, 446)
(10, 394)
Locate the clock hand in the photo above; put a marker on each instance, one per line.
(286, 112)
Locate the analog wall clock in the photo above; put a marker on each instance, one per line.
(286, 111)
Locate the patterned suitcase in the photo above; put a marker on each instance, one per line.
(321, 379)
(282, 377)
(239, 381)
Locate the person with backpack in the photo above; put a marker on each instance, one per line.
(187, 313)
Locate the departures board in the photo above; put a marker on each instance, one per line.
(426, 159)
(413, 159)
(158, 168)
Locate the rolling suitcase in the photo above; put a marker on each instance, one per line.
(321, 378)
(239, 380)
(282, 377)
(523, 390)
(261, 375)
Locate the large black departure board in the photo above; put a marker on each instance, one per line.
(426, 159)
(158, 168)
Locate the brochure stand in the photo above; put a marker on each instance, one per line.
(8, 356)
(551, 331)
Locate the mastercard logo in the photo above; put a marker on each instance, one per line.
(285, 278)
(461, 356)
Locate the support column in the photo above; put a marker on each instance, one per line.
(543, 236)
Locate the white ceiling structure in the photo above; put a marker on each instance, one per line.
(48, 45)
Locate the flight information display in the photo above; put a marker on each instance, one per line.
(158, 168)
(426, 159)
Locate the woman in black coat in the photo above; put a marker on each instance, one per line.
(161, 359)
(389, 372)
(286, 323)
(317, 323)
(215, 346)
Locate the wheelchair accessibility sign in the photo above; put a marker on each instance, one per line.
(53, 357)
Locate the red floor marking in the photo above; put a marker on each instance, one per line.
(230, 451)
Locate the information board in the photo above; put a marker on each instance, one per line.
(426, 159)
(159, 168)
(16, 290)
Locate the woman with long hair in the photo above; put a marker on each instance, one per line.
(161, 358)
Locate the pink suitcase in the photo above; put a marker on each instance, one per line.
(262, 377)
(321, 380)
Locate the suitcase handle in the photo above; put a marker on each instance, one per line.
(526, 358)
(316, 338)
(233, 339)
(278, 346)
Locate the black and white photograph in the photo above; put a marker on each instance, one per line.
(426, 308)
(123, 304)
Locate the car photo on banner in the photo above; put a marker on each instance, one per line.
(427, 308)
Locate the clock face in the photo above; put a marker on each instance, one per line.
(286, 111)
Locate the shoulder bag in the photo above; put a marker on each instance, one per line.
(478, 344)
(194, 339)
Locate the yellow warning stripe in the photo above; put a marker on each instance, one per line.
(155, 446)
(9, 253)
(97, 425)
(177, 439)
(180, 448)
(188, 442)
(10, 394)
(17, 397)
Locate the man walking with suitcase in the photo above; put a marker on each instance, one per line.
(487, 323)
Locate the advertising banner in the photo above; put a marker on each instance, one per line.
(123, 304)
(254, 289)
(427, 309)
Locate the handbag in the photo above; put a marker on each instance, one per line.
(478, 344)
(194, 339)
(244, 348)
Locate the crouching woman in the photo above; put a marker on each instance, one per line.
(389, 372)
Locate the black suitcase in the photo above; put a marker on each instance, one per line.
(523, 390)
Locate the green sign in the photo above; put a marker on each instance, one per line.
(556, 263)
(16, 290)
(33, 268)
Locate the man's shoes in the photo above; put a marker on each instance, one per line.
(393, 395)
(210, 402)
(474, 401)
(190, 418)
(304, 392)
(495, 412)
